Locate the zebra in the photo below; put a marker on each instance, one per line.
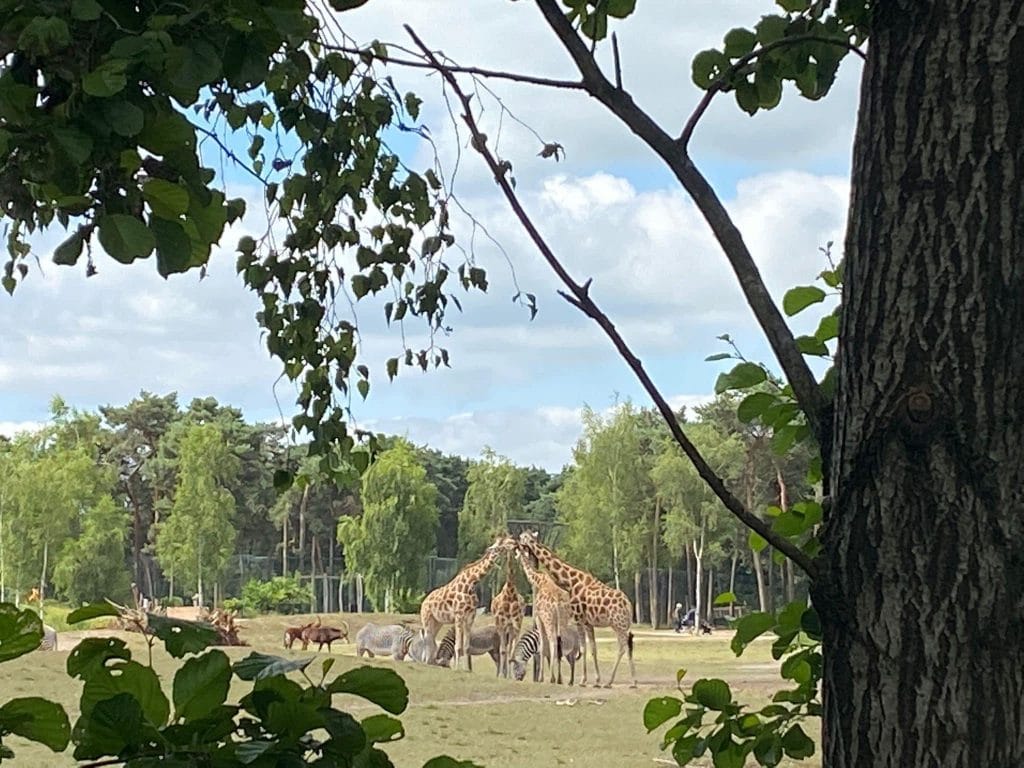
(388, 640)
(481, 640)
(529, 647)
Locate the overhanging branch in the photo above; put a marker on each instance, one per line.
(579, 296)
(621, 104)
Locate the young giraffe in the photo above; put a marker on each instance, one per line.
(507, 608)
(594, 604)
(455, 603)
(552, 610)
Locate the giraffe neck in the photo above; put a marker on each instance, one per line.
(560, 571)
(475, 571)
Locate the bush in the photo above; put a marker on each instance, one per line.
(174, 601)
(233, 604)
(282, 594)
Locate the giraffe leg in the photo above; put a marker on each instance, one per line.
(625, 646)
(593, 647)
(583, 646)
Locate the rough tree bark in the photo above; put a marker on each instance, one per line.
(921, 600)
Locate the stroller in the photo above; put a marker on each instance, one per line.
(686, 622)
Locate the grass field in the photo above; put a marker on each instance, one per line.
(495, 722)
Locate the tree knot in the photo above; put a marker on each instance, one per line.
(920, 405)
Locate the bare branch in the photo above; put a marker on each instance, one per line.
(620, 103)
(547, 82)
(722, 80)
(579, 296)
(618, 61)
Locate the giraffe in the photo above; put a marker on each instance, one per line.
(455, 603)
(552, 609)
(507, 607)
(594, 604)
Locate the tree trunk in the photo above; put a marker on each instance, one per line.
(762, 585)
(732, 583)
(669, 605)
(689, 579)
(302, 528)
(653, 593)
(709, 610)
(698, 557)
(920, 598)
(637, 607)
(312, 573)
(615, 558)
(284, 545)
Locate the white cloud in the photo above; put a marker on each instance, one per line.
(13, 428)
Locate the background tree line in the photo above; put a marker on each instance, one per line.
(182, 501)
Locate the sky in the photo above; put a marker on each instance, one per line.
(609, 209)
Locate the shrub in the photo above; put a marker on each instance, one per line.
(282, 594)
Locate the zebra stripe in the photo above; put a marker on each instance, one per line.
(481, 641)
(529, 646)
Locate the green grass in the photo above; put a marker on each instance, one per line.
(495, 722)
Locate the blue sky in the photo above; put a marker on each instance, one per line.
(609, 209)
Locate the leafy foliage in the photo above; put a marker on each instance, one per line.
(398, 527)
(127, 717)
(281, 594)
(104, 113)
(804, 45)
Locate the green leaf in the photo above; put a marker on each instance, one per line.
(743, 376)
(92, 611)
(201, 685)
(382, 728)
(384, 687)
(753, 405)
(165, 198)
(125, 118)
(75, 144)
(717, 356)
(739, 42)
(747, 97)
(828, 328)
(771, 28)
(67, 253)
(750, 627)
(91, 655)
(797, 669)
(108, 79)
(756, 542)
(125, 238)
(769, 90)
(661, 710)
(810, 345)
(173, 246)
(799, 298)
(364, 388)
(21, 631)
(444, 761)
(726, 598)
(619, 9)
(712, 693)
(258, 666)
(109, 727)
(707, 67)
(789, 617)
(86, 10)
(134, 679)
(392, 366)
(768, 748)
(37, 719)
(182, 637)
(798, 745)
(793, 6)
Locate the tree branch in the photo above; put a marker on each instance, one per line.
(722, 80)
(621, 104)
(547, 82)
(579, 296)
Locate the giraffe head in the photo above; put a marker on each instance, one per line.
(504, 543)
